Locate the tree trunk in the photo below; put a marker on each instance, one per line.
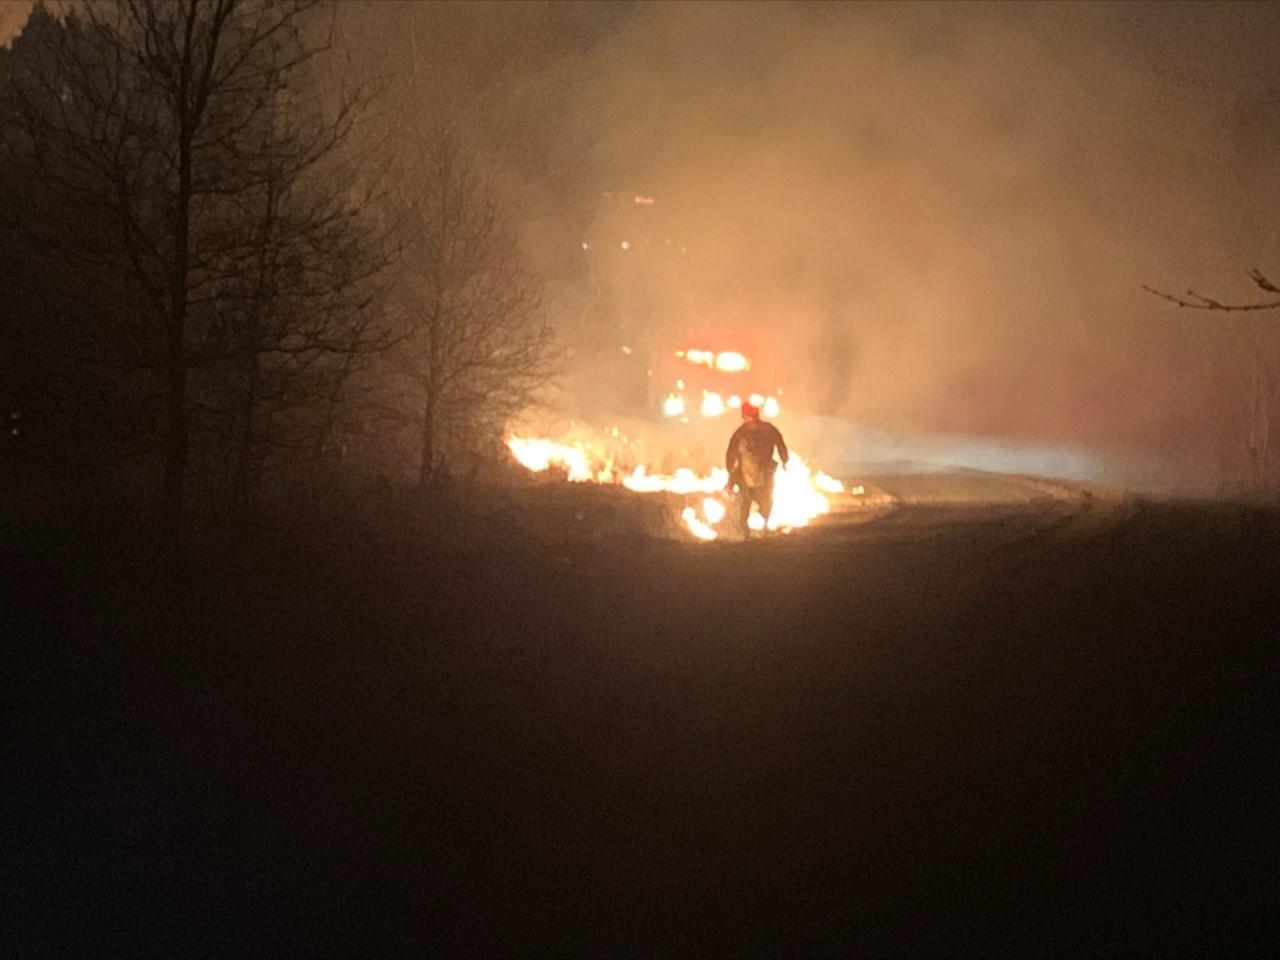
(177, 447)
(427, 467)
(327, 429)
(242, 481)
(1266, 431)
(241, 486)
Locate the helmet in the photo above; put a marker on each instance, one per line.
(750, 411)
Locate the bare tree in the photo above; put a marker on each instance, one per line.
(478, 347)
(297, 294)
(1258, 343)
(74, 355)
(175, 128)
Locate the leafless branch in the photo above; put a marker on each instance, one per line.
(1196, 301)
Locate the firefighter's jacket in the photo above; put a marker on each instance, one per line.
(749, 458)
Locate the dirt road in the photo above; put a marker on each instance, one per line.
(970, 713)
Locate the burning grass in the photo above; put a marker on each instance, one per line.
(801, 494)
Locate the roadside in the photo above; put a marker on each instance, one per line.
(943, 728)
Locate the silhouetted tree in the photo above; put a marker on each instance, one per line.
(182, 135)
(74, 365)
(297, 296)
(478, 347)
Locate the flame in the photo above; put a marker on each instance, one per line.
(683, 481)
(712, 404)
(540, 455)
(799, 493)
(796, 496)
(799, 496)
(699, 529)
(829, 484)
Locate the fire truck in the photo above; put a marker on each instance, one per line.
(703, 382)
(713, 374)
(663, 364)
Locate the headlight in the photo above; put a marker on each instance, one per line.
(730, 361)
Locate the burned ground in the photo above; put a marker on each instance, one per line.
(1024, 728)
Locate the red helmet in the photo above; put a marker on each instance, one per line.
(750, 411)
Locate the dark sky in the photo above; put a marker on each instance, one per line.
(949, 209)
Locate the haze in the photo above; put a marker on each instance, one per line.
(374, 591)
(943, 213)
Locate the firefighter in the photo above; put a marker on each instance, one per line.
(751, 465)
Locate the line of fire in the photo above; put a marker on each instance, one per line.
(663, 385)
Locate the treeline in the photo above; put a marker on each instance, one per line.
(219, 279)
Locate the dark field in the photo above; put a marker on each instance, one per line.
(1040, 724)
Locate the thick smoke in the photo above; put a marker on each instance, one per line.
(945, 212)
(12, 17)
(939, 216)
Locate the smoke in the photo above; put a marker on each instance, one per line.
(14, 14)
(936, 218)
(12, 17)
(942, 215)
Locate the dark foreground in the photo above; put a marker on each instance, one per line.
(1020, 729)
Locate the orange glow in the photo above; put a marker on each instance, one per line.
(799, 496)
(539, 455)
(699, 529)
